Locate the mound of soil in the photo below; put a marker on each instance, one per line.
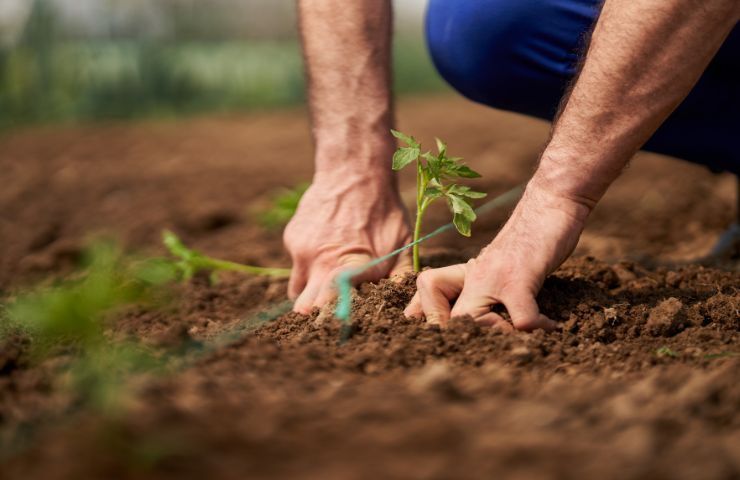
(643, 380)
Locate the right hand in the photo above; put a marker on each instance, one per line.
(541, 233)
(343, 222)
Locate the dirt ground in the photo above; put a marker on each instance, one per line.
(643, 380)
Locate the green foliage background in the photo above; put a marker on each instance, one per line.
(47, 77)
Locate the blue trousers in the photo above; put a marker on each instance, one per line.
(520, 55)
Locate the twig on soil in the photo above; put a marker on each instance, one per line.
(377, 312)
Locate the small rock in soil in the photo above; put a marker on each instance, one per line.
(667, 319)
(522, 355)
(436, 378)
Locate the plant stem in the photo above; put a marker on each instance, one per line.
(420, 187)
(420, 210)
(215, 264)
(417, 233)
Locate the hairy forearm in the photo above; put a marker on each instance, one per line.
(644, 58)
(346, 47)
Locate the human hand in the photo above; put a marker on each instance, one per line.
(343, 222)
(541, 233)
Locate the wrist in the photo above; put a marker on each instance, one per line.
(346, 160)
(570, 179)
(545, 193)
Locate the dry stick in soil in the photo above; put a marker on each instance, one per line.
(434, 174)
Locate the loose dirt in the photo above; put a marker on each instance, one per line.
(641, 381)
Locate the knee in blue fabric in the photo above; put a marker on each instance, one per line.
(520, 55)
(514, 55)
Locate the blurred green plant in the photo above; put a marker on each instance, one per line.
(47, 77)
(283, 204)
(190, 262)
(666, 352)
(72, 317)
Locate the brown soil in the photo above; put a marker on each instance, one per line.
(642, 381)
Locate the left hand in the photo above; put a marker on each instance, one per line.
(541, 233)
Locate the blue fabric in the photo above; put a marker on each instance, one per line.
(520, 55)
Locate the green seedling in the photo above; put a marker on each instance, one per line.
(283, 205)
(666, 352)
(435, 175)
(72, 317)
(72, 311)
(192, 262)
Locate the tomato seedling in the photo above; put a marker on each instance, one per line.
(435, 175)
(191, 261)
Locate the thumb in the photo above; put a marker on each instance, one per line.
(435, 289)
(350, 262)
(403, 265)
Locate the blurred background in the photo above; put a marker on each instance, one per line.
(77, 60)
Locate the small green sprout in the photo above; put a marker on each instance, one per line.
(434, 174)
(191, 261)
(666, 352)
(74, 310)
(283, 204)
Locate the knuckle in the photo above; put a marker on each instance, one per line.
(525, 324)
(426, 280)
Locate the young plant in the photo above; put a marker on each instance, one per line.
(73, 316)
(435, 176)
(283, 204)
(191, 261)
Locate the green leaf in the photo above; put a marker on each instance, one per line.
(465, 172)
(464, 191)
(283, 205)
(175, 245)
(404, 156)
(474, 194)
(462, 224)
(458, 189)
(461, 207)
(441, 147)
(407, 139)
(433, 192)
(433, 165)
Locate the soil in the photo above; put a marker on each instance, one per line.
(641, 381)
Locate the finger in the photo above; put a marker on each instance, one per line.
(403, 266)
(496, 322)
(504, 327)
(305, 301)
(298, 278)
(524, 312)
(413, 309)
(490, 319)
(328, 290)
(474, 300)
(436, 289)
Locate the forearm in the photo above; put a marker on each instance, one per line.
(346, 47)
(644, 58)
